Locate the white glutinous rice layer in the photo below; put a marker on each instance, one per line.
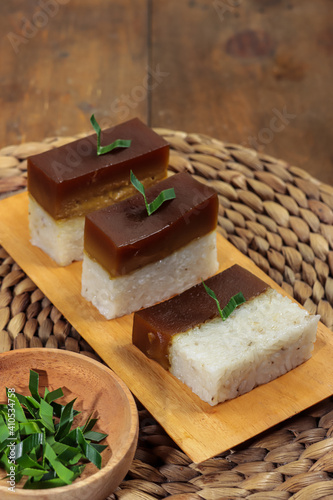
(62, 240)
(115, 297)
(261, 340)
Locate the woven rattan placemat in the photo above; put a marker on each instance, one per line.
(282, 218)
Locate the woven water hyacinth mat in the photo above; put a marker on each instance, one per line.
(280, 217)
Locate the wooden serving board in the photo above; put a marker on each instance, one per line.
(200, 430)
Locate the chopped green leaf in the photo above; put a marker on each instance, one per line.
(49, 453)
(70, 455)
(33, 385)
(51, 396)
(50, 474)
(71, 439)
(27, 462)
(89, 424)
(30, 471)
(28, 444)
(65, 474)
(31, 427)
(46, 415)
(34, 455)
(65, 452)
(50, 480)
(94, 436)
(58, 409)
(99, 447)
(89, 451)
(66, 420)
(4, 445)
(32, 407)
(101, 150)
(42, 485)
(34, 404)
(4, 431)
(234, 302)
(167, 194)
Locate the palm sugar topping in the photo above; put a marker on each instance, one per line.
(154, 326)
(67, 180)
(123, 238)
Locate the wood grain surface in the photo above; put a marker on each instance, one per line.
(254, 72)
(200, 430)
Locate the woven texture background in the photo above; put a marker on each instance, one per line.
(282, 218)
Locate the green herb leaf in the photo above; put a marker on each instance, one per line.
(66, 420)
(48, 454)
(89, 451)
(46, 415)
(54, 481)
(58, 409)
(27, 462)
(67, 454)
(71, 439)
(42, 485)
(29, 471)
(89, 424)
(33, 408)
(101, 150)
(65, 474)
(167, 194)
(234, 302)
(4, 432)
(70, 455)
(51, 396)
(94, 436)
(99, 447)
(28, 444)
(4, 444)
(33, 385)
(31, 427)
(34, 455)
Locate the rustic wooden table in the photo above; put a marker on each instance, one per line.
(253, 72)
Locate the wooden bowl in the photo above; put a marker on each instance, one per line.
(97, 389)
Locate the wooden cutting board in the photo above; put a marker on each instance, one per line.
(200, 430)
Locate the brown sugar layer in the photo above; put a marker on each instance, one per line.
(123, 238)
(72, 180)
(154, 326)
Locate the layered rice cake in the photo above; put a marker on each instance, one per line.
(263, 338)
(67, 183)
(132, 260)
